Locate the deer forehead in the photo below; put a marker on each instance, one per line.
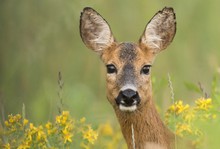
(127, 54)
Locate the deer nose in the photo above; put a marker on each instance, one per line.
(129, 94)
(128, 98)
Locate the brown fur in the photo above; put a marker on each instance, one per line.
(149, 132)
(148, 127)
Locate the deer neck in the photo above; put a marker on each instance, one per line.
(144, 129)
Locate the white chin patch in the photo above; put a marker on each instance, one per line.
(128, 109)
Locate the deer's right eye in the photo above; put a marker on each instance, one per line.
(111, 69)
(146, 69)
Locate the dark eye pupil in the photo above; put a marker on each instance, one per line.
(146, 70)
(111, 69)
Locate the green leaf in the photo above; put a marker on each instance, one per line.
(192, 87)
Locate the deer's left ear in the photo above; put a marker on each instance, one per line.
(160, 31)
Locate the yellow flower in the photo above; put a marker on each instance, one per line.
(17, 117)
(90, 135)
(7, 124)
(37, 136)
(7, 146)
(11, 119)
(203, 104)
(58, 119)
(65, 113)
(40, 133)
(82, 120)
(106, 129)
(50, 128)
(178, 107)
(32, 127)
(25, 122)
(67, 136)
(24, 145)
(183, 128)
(189, 115)
(48, 125)
(214, 116)
(29, 136)
(63, 118)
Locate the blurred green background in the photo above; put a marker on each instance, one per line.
(39, 38)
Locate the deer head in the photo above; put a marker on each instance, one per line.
(128, 64)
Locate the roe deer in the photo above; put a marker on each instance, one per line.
(128, 64)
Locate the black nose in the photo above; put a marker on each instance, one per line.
(128, 97)
(129, 94)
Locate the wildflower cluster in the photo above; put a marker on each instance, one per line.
(15, 125)
(183, 118)
(63, 133)
(191, 121)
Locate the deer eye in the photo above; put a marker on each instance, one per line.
(111, 69)
(146, 69)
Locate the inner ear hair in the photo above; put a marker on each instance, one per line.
(94, 30)
(160, 30)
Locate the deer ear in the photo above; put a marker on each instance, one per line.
(160, 31)
(94, 30)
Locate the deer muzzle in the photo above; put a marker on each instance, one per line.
(128, 100)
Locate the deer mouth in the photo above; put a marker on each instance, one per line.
(127, 109)
(128, 100)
